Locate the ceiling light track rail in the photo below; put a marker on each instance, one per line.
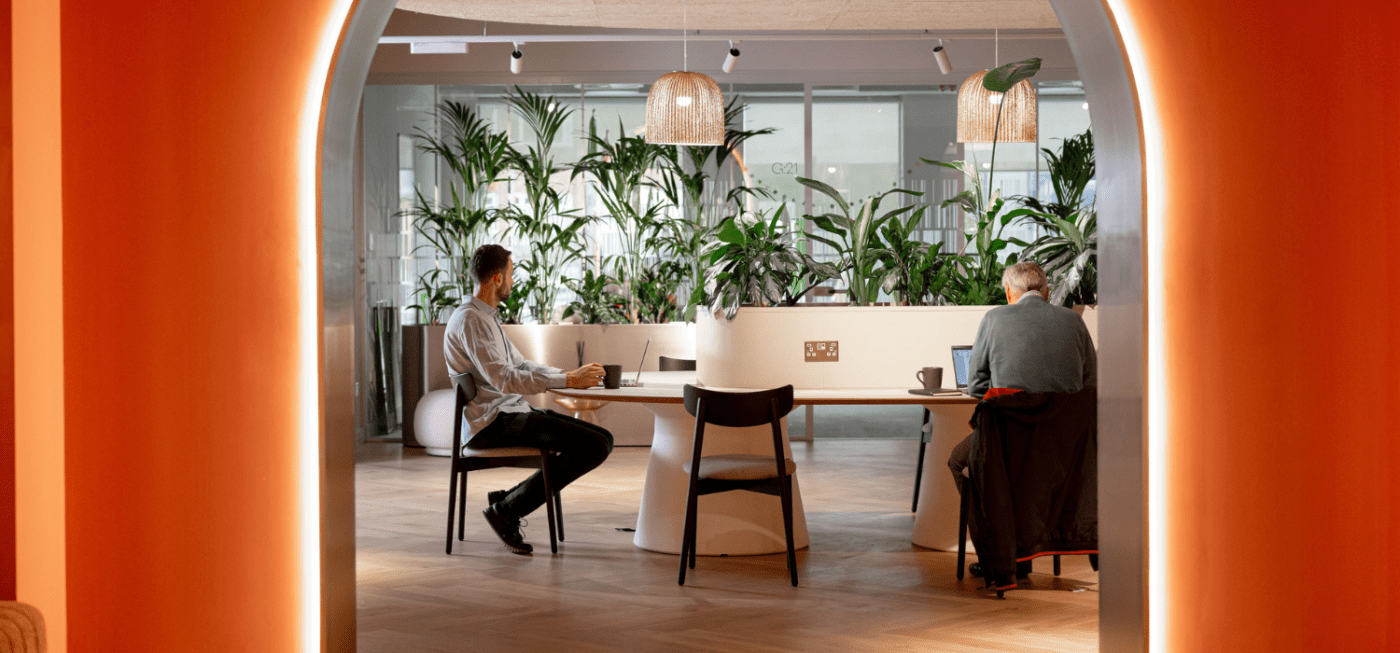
(1046, 35)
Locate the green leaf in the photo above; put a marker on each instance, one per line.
(826, 224)
(824, 189)
(730, 233)
(968, 200)
(825, 241)
(1001, 79)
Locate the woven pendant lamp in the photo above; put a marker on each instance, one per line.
(685, 108)
(977, 112)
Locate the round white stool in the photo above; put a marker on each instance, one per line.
(432, 421)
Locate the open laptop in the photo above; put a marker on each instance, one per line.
(962, 360)
(637, 382)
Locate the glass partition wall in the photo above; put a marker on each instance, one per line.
(860, 139)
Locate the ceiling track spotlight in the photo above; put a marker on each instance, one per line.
(941, 56)
(515, 57)
(732, 58)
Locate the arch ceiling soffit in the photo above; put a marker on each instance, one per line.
(746, 14)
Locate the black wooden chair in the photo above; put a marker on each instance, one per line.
(466, 459)
(669, 364)
(728, 472)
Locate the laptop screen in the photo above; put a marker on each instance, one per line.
(962, 356)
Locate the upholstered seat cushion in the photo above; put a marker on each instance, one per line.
(739, 467)
(499, 452)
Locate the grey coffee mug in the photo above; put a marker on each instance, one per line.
(931, 377)
(612, 376)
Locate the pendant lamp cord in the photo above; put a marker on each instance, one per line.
(685, 36)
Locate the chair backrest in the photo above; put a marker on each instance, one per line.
(465, 385)
(669, 364)
(738, 409)
(466, 392)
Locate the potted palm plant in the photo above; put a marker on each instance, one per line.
(594, 303)
(555, 236)
(915, 273)
(475, 157)
(1068, 245)
(620, 170)
(754, 260)
(976, 277)
(687, 180)
(856, 238)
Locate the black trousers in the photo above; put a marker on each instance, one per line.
(576, 448)
(958, 461)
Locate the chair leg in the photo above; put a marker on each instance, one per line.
(694, 527)
(694, 534)
(451, 507)
(462, 510)
(1094, 561)
(1057, 565)
(559, 512)
(918, 476)
(688, 534)
(685, 549)
(962, 530)
(787, 529)
(919, 463)
(548, 503)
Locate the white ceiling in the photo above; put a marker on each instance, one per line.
(754, 15)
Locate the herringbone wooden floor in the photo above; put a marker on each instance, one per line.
(864, 587)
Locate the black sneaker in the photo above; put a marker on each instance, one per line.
(496, 496)
(508, 529)
(1023, 569)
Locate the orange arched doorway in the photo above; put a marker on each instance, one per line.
(1104, 69)
(1271, 279)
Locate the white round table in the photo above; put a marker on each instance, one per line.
(744, 523)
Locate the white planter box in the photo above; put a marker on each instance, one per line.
(878, 346)
(621, 344)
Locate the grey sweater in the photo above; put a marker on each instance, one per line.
(1032, 346)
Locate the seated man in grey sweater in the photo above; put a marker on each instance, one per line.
(1027, 345)
(499, 416)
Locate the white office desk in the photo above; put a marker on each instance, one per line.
(738, 523)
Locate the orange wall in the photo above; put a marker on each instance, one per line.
(7, 318)
(1282, 162)
(180, 290)
(179, 217)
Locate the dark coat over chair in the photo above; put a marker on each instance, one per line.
(1033, 485)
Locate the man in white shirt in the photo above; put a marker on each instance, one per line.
(499, 415)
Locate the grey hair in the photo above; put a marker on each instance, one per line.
(1025, 277)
